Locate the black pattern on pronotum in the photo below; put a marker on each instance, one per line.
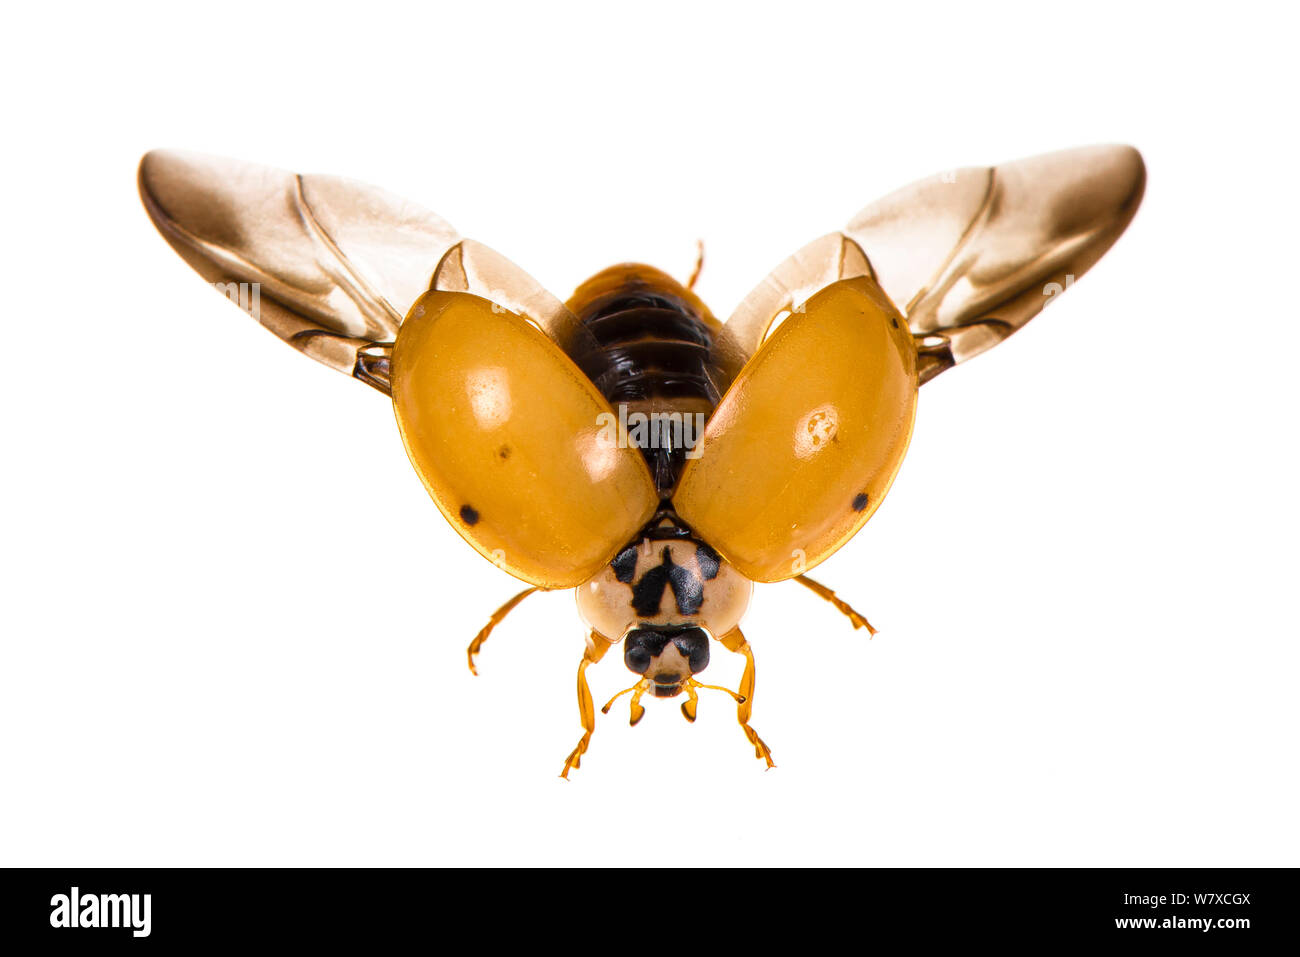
(648, 593)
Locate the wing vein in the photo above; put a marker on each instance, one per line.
(373, 306)
(977, 219)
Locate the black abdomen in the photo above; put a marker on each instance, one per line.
(648, 352)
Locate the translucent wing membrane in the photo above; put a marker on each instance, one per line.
(515, 445)
(806, 442)
(969, 256)
(328, 265)
(973, 255)
(519, 449)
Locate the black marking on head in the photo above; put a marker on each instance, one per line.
(644, 645)
(637, 656)
(694, 646)
(860, 501)
(624, 565)
(653, 640)
(469, 514)
(708, 561)
(667, 691)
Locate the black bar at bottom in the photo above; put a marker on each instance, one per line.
(674, 907)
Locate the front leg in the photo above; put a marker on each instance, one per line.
(597, 645)
(734, 640)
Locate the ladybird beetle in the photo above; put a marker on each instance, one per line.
(626, 443)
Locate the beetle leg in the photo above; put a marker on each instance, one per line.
(597, 645)
(734, 640)
(843, 606)
(476, 645)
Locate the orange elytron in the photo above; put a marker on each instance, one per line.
(627, 444)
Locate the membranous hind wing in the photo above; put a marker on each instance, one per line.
(329, 265)
(968, 256)
(463, 340)
(971, 256)
(817, 419)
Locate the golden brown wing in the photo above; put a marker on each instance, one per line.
(969, 256)
(329, 265)
(336, 264)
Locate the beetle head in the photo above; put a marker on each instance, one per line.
(667, 655)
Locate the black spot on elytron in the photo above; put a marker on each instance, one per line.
(893, 321)
(624, 565)
(503, 452)
(860, 501)
(469, 514)
(648, 593)
(708, 561)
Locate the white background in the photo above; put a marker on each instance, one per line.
(234, 623)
